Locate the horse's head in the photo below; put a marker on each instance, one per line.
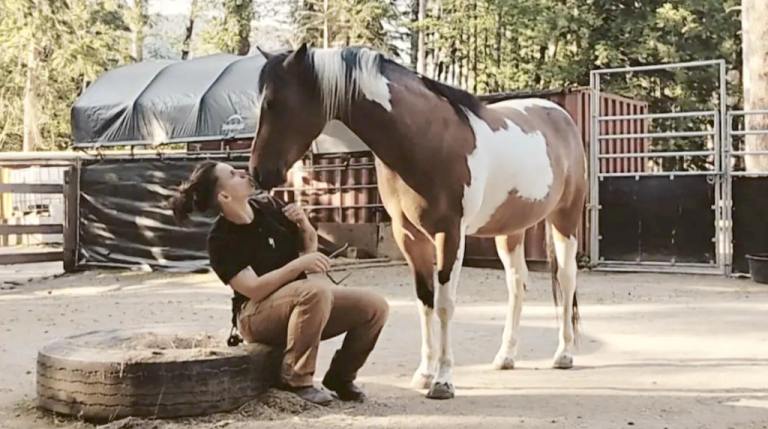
(291, 115)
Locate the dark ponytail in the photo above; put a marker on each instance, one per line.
(198, 193)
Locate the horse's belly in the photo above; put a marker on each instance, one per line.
(513, 215)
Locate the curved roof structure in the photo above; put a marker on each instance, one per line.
(155, 102)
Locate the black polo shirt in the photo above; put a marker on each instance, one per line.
(267, 243)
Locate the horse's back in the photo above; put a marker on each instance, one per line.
(537, 114)
(522, 103)
(533, 115)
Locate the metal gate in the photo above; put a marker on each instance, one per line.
(669, 214)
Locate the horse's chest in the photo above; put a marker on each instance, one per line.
(506, 163)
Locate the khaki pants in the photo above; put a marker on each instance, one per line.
(300, 314)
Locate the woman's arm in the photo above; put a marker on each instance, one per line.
(306, 230)
(308, 237)
(259, 287)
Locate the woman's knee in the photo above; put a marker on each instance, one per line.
(317, 292)
(379, 308)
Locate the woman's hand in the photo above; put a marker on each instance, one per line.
(295, 214)
(314, 262)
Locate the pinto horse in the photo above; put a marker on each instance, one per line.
(448, 166)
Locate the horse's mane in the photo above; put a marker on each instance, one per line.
(341, 73)
(461, 101)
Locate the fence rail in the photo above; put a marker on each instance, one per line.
(68, 228)
(31, 229)
(31, 188)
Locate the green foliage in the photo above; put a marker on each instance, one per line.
(503, 45)
(350, 22)
(231, 32)
(481, 45)
(74, 41)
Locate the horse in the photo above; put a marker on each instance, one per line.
(448, 166)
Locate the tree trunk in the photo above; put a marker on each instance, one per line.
(754, 26)
(32, 137)
(439, 66)
(486, 56)
(414, 34)
(138, 21)
(238, 15)
(421, 52)
(325, 23)
(537, 77)
(244, 20)
(474, 48)
(499, 48)
(185, 47)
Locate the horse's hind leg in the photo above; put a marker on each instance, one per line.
(419, 252)
(512, 254)
(565, 244)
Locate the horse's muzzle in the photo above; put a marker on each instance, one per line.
(267, 179)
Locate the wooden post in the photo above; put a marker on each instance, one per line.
(71, 216)
(5, 207)
(755, 59)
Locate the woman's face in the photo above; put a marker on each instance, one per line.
(233, 184)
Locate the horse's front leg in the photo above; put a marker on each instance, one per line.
(450, 254)
(419, 251)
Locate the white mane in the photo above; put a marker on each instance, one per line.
(337, 91)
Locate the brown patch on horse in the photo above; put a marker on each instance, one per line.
(442, 142)
(423, 159)
(418, 250)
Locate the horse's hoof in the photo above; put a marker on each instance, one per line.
(441, 391)
(421, 380)
(564, 361)
(503, 362)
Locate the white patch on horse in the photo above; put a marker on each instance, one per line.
(504, 161)
(370, 81)
(337, 92)
(516, 274)
(427, 369)
(565, 253)
(445, 306)
(522, 103)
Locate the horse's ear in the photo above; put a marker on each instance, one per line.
(264, 53)
(297, 57)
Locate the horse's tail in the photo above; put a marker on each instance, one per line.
(556, 291)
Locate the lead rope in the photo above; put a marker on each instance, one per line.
(234, 339)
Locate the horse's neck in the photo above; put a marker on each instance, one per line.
(398, 147)
(406, 140)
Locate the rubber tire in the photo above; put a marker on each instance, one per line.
(85, 377)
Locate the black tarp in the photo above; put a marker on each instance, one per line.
(124, 220)
(154, 102)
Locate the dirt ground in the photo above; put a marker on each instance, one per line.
(657, 351)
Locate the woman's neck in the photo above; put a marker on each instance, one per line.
(238, 212)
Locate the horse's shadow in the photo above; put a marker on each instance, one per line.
(476, 343)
